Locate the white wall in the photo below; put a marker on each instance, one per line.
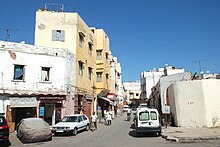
(148, 80)
(34, 57)
(195, 103)
(166, 81)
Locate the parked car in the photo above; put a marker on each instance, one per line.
(31, 130)
(71, 124)
(4, 131)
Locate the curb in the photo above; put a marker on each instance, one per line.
(189, 139)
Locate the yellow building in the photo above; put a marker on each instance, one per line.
(68, 30)
(102, 64)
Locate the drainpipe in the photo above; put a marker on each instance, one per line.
(3, 101)
(2, 79)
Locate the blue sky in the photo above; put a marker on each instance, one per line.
(144, 34)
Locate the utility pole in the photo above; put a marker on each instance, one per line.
(7, 33)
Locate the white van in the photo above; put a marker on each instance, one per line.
(147, 120)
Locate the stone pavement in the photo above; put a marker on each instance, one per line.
(190, 135)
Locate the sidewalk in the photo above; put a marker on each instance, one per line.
(190, 135)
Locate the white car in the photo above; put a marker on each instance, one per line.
(71, 124)
(125, 108)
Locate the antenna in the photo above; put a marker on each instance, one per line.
(199, 62)
(7, 33)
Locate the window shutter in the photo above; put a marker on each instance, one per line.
(62, 35)
(54, 35)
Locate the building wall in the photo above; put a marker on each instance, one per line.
(132, 91)
(83, 82)
(166, 81)
(148, 80)
(103, 65)
(30, 94)
(75, 28)
(46, 21)
(195, 108)
(28, 55)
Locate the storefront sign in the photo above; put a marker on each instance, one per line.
(23, 102)
(166, 109)
(41, 112)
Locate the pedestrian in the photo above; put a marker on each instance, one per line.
(105, 117)
(109, 118)
(94, 121)
(99, 113)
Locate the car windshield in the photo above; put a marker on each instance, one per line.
(70, 119)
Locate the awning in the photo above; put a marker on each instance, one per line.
(106, 99)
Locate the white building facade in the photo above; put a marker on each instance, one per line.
(132, 92)
(35, 82)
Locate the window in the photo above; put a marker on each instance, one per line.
(153, 115)
(80, 68)
(45, 72)
(144, 116)
(90, 73)
(106, 57)
(58, 35)
(137, 94)
(84, 117)
(18, 72)
(80, 119)
(99, 54)
(81, 38)
(99, 76)
(90, 48)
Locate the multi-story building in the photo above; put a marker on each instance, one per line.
(150, 78)
(132, 92)
(68, 30)
(116, 89)
(35, 82)
(102, 69)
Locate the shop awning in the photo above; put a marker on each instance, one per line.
(106, 99)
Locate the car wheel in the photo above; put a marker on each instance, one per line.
(74, 131)
(87, 127)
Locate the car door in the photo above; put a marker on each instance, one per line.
(85, 120)
(81, 123)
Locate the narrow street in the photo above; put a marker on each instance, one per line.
(119, 134)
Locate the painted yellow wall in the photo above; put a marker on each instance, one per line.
(46, 21)
(83, 82)
(102, 43)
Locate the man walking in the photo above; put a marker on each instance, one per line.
(94, 121)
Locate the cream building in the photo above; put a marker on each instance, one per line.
(132, 92)
(102, 69)
(195, 108)
(68, 30)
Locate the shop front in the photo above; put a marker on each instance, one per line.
(19, 108)
(51, 109)
(104, 103)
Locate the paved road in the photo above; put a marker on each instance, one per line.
(118, 134)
